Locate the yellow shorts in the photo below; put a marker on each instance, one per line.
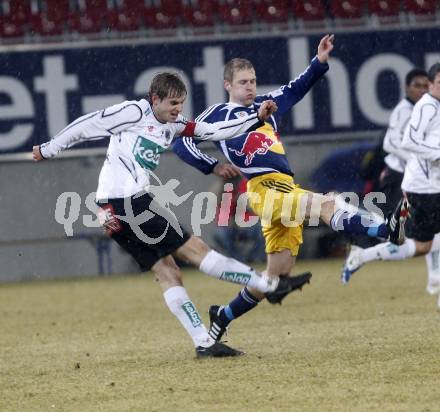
(276, 199)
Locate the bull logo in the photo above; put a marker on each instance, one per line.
(255, 143)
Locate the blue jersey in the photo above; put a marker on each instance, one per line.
(260, 151)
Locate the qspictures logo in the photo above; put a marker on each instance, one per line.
(202, 210)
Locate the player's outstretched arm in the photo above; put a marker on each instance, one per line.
(229, 128)
(226, 170)
(92, 126)
(325, 47)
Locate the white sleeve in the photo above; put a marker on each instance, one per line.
(392, 142)
(414, 138)
(219, 130)
(93, 126)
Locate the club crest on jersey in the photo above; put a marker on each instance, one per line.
(240, 114)
(255, 143)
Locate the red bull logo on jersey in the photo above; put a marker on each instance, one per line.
(255, 143)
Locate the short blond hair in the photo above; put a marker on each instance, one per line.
(235, 65)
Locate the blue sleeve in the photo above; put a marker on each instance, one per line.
(186, 148)
(290, 94)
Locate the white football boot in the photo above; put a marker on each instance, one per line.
(433, 287)
(352, 263)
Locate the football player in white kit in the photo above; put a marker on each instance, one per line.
(421, 185)
(139, 131)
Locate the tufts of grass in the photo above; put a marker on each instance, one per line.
(110, 344)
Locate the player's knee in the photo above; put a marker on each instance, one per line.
(193, 251)
(327, 208)
(422, 248)
(167, 273)
(319, 206)
(169, 277)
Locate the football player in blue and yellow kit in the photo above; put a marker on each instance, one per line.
(261, 158)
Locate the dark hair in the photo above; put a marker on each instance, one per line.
(234, 65)
(167, 84)
(432, 72)
(414, 73)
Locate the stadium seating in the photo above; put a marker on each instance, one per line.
(199, 13)
(88, 17)
(163, 15)
(16, 15)
(26, 18)
(386, 11)
(51, 18)
(233, 13)
(348, 11)
(309, 11)
(127, 17)
(421, 10)
(10, 28)
(268, 11)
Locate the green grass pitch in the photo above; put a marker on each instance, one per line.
(110, 344)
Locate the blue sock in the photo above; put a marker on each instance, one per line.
(358, 224)
(243, 303)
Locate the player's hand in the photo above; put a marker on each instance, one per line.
(36, 154)
(325, 47)
(226, 170)
(267, 108)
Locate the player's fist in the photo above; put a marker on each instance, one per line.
(267, 108)
(226, 170)
(36, 154)
(325, 47)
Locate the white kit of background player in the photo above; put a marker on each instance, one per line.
(421, 184)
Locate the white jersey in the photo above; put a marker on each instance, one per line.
(137, 140)
(392, 142)
(422, 139)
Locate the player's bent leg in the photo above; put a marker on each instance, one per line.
(212, 263)
(348, 220)
(179, 303)
(167, 273)
(248, 298)
(383, 251)
(278, 263)
(282, 263)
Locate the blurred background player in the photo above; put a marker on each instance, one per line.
(414, 136)
(416, 82)
(261, 158)
(391, 179)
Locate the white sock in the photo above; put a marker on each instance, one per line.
(433, 261)
(181, 306)
(389, 251)
(231, 270)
